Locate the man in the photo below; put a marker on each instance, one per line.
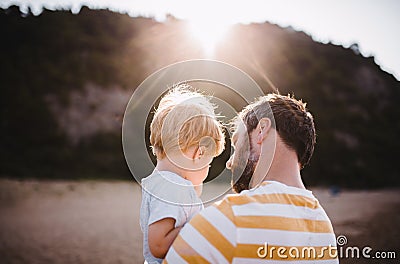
(273, 219)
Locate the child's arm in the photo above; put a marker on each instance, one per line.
(161, 235)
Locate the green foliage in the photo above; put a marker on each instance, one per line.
(353, 101)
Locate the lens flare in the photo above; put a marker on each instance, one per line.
(208, 32)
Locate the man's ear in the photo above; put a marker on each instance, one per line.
(263, 127)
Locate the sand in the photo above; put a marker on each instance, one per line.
(98, 221)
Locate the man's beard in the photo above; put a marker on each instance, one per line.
(243, 182)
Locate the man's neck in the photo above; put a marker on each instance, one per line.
(284, 169)
(293, 180)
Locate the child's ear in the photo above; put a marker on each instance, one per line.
(263, 127)
(199, 153)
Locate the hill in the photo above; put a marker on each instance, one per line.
(66, 80)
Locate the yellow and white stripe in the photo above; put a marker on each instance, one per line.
(233, 230)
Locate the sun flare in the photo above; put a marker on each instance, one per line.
(208, 32)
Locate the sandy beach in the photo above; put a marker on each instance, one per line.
(98, 221)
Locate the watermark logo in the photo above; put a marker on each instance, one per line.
(298, 253)
(342, 250)
(346, 251)
(341, 240)
(227, 87)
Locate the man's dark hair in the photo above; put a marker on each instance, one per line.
(289, 116)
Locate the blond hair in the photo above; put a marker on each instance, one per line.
(185, 118)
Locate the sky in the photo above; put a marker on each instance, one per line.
(372, 24)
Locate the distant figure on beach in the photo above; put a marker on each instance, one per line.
(335, 190)
(185, 136)
(273, 217)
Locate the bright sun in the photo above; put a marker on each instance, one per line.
(209, 32)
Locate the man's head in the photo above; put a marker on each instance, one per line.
(185, 119)
(284, 114)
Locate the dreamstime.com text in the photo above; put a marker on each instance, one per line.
(326, 252)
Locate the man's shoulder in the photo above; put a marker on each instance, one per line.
(268, 193)
(224, 209)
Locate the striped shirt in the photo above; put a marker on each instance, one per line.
(273, 223)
